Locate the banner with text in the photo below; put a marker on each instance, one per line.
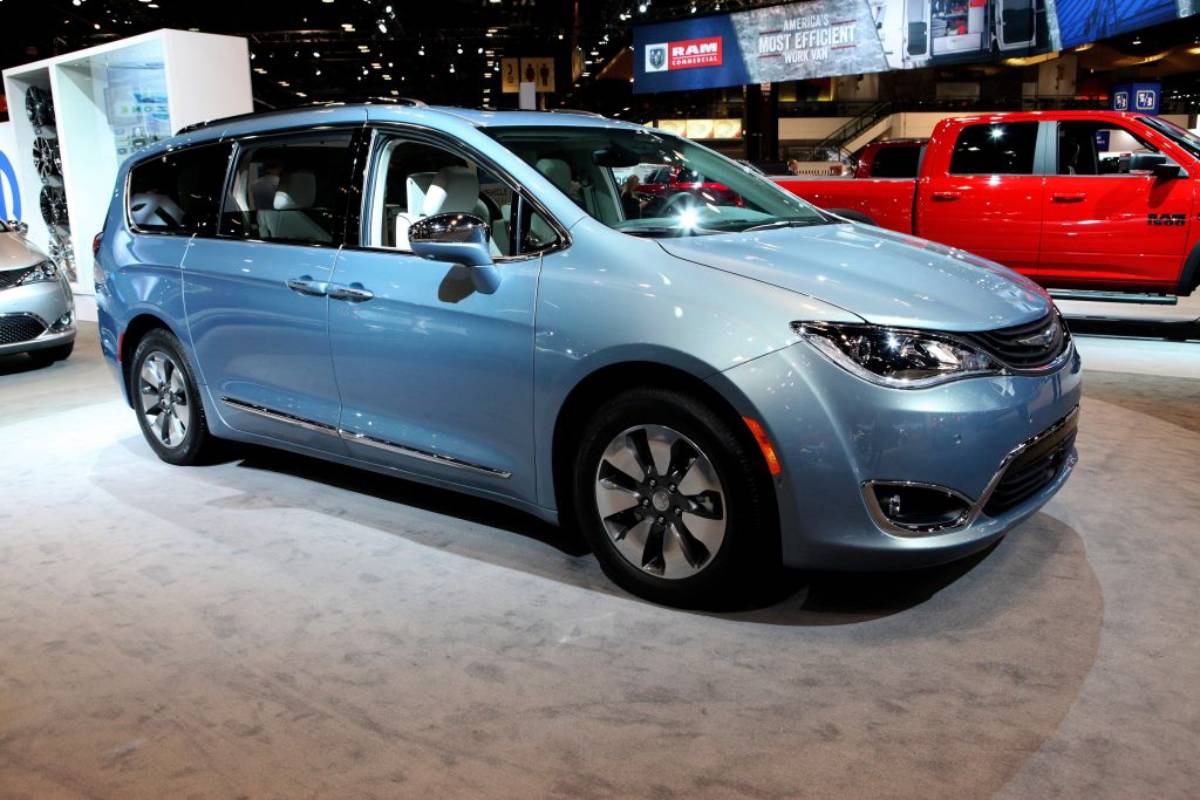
(824, 38)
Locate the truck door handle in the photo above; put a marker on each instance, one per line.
(946, 197)
(1068, 198)
(354, 293)
(306, 285)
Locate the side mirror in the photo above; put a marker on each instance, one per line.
(1168, 172)
(20, 227)
(457, 239)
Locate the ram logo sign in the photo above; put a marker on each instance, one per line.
(687, 54)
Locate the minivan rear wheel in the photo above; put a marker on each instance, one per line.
(675, 505)
(167, 401)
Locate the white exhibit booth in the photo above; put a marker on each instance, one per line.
(106, 103)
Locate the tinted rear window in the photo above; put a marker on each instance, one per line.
(996, 149)
(896, 162)
(179, 192)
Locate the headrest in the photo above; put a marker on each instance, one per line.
(416, 187)
(296, 190)
(556, 171)
(263, 191)
(453, 189)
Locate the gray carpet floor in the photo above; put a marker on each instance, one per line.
(274, 627)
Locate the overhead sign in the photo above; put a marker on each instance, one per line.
(824, 38)
(510, 75)
(1143, 98)
(539, 72)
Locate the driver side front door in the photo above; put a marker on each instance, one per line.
(435, 377)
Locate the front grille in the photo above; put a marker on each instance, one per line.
(16, 328)
(1028, 346)
(1034, 468)
(12, 277)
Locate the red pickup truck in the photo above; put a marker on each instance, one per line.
(1074, 199)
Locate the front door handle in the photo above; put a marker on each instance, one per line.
(306, 285)
(354, 293)
(1068, 198)
(946, 197)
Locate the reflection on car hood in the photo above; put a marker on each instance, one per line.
(16, 252)
(884, 277)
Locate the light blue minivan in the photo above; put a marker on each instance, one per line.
(708, 377)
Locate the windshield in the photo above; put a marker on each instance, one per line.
(1185, 139)
(649, 183)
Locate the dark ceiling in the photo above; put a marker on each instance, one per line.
(341, 50)
(447, 51)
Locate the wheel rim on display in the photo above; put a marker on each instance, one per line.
(45, 158)
(166, 406)
(661, 501)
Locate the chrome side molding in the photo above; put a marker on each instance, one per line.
(363, 439)
(280, 416)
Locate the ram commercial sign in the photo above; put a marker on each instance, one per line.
(822, 38)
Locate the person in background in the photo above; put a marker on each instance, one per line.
(793, 166)
(630, 203)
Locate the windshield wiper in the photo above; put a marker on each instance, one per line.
(784, 223)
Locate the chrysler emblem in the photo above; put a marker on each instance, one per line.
(1042, 338)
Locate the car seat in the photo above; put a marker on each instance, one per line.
(451, 189)
(294, 199)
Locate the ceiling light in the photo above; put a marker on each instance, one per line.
(318, 72)
(452, 69)
(386, 77)
(260, 70)
(382, 27)
(284, 84)
(421, 51)
(316, 54)
(301, 94)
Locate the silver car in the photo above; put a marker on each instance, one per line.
(37, 310)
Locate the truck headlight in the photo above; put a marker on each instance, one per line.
(41, 271)
(897, 357)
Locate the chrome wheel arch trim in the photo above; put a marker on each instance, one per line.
(363, 439)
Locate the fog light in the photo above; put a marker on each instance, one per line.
(63, 323)
(916, 509)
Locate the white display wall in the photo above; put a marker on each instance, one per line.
(109, 102)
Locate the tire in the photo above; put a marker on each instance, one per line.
(45, 358)
(737, 529)
(161, 382)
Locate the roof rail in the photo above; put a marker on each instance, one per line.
(579, 111)
(195, 126)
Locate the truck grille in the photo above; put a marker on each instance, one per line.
(1035, 467)
(1028, 346)
(15, 328)
(12, 277)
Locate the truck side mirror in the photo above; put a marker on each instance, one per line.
(1168, 172)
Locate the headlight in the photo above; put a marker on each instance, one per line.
(896, 357)
(41, 271)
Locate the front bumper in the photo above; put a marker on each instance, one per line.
(835, 434)
(46, 312)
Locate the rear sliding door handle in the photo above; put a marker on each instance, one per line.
(306, 285)
(1068, 198)
(946, 197)
(354, 293)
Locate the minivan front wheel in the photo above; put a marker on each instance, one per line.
(167, 402)
(672, 501)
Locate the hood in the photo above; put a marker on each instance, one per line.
(884, 277)
(15, 252)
